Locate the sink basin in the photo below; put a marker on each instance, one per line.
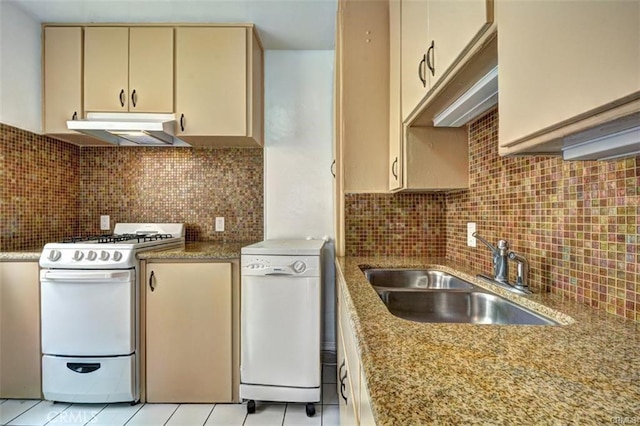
(473, 307)
(417, 279)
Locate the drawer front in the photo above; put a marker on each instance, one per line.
(96, 380)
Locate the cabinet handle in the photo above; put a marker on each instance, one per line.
(122, 98)
(393, 168)
(151, 281)
(182, 122)
(343, 387)
(420, 73)
(133, 98)
(431, 58)
(75, 115)
(333, 172)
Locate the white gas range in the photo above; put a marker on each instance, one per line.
(89, 292)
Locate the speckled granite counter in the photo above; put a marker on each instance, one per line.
(199, 250)
(20, 256)
(587, 372)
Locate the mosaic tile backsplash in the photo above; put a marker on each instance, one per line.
(39, 183)
(576, 222)
(194, 186)
(50, 189)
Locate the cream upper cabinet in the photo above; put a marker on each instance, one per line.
(416, 75)
(62, 78)
(435, 34)
(188, 325)
(363, 124)
(128, 69)
(20, 330)
(395, 96)
(453, 25)
(219, 83)
(564, 66)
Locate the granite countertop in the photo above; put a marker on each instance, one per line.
(199, 250)
(584, 372)
(21, 256)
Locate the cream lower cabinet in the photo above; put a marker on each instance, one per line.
(353, 395)
(20, 330)
(188, 339)
(565, 66)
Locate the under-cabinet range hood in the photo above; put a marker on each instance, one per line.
(129, 129)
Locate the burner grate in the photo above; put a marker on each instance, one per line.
(118, 238)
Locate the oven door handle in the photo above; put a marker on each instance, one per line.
(86, 276)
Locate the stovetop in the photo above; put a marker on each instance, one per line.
(112, 251)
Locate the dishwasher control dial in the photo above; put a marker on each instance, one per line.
(104, 255)
(91, 255)
(54, 255)
(299, 266)
(78, 255)
(117, 256)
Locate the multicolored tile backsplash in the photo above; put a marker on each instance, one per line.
(39, 183)
(578, 223)
(51, 189)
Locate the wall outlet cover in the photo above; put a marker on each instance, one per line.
(471, 228)
(105, 222)
(219, 224)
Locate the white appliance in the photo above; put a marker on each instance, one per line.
(130, 128)
(89, 306)
(280, 322)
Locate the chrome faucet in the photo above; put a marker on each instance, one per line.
(501, 256)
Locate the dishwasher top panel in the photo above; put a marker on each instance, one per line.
(285, 248)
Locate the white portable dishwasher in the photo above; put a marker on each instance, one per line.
(280, 322)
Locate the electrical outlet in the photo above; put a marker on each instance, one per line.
(105, 224)
(471, 228)
(219, 224)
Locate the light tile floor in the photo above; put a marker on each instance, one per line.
(18, 412)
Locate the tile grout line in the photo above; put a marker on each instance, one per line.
(209, 415)
(34, 405)
(96, 415)
(174, 411)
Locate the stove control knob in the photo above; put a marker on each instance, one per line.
(299, 266)
(117, 256)
(78, 255)
(92, 255)
(54, 255)
(104, 255)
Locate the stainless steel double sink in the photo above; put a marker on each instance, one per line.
(428, 295)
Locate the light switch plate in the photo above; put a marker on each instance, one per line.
(471, 228)
(105, 222)
(219, 224)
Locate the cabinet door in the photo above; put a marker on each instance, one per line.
(106, 69)
(366, 413)
(211, 81)
(345, 392)
(561, 61)
(415, 44)
(188, 332)
(395, 100)
(62, 77)
(19, 330)
(150, 69)
(453, 25)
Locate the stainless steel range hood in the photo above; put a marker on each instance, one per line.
(130, 129)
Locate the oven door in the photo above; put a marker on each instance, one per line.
(88, 312)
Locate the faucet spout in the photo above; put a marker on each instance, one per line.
(493, 248)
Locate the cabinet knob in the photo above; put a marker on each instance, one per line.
(75, 115)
